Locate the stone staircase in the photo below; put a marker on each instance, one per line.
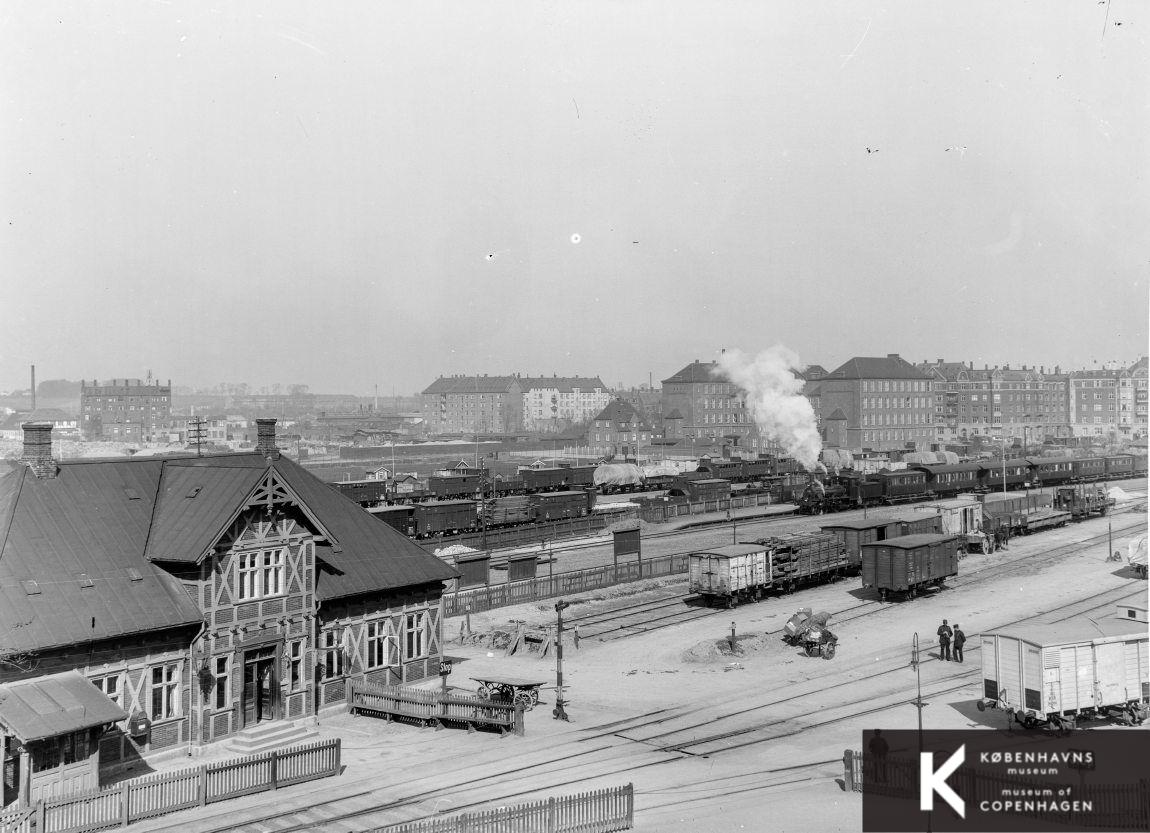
(264, 737)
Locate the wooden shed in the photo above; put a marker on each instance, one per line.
(50, 729)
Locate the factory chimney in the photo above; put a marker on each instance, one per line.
(266, 438)
(38, 449)
(34, 388)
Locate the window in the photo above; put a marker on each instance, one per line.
(295, 664)
(331, 665)
(220, 700)
(110, 686)
(165, 691)
(415, 636)
(260, 574)
(379, 645)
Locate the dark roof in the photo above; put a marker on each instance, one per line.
(837, 413)
(910, 542)
(865, 367)
(620, 411)
(565, 384)
(473, 384)
(697, 372)
(859, 523)
(674, 414)
(78, 552)
(44, 707)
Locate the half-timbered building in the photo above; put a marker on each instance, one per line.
(200, 596)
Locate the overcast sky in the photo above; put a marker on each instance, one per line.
(358, 193)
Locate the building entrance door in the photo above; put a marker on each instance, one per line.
(261, 686)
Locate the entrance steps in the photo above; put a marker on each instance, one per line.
(272, 734)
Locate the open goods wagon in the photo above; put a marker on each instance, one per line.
(747, 571)
(804, 558)
(852, 534)
(910, 563)
(1054, 675)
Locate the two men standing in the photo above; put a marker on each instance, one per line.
(945, 635)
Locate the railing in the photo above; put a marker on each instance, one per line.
(163, 793)
(491, 596)
(601, 811)
(432, 707)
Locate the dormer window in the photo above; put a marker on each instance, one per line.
(260, 574)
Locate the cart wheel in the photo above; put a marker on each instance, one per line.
(483, 693)
(535, 697)
(523, 698)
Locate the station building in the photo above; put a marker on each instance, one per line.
(168, 602)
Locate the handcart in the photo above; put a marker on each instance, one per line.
(510, 690)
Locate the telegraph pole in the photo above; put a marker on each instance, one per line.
(559, 712)
(915, 662)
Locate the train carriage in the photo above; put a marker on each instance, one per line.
(950, 480)
(1139, 465)
(910, 564)
(1119, 466)
(1057, 674)
(732, 470)
(1017, 474)
(902, 486)
(1088, 468)
(1051, 471)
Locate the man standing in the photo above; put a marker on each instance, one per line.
(944, 634)
(959, 641)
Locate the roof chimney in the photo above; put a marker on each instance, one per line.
(38, 449)
(266, 438)
(892, 355)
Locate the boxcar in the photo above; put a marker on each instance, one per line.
(448, 486)
(557, 479)
(902, 486)
(703, 489)
(730, 573)
(444, 517)
(910, 563)
(399, 518)
(363, 492)
(557, 506)
(852, 534)
(1057, 674)
(949, 480)
(1051, 471)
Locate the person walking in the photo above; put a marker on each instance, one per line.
(944, 634)
(959, 641)
(575, 637)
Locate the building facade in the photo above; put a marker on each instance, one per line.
(879, 404)
(619, 429)
(125, 409)
(203, 595)
(708, 406)
(473, 404)
(554, 404)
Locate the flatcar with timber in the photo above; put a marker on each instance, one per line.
(1055, 675)
(910, 564)
(852, 534)
(747, 571)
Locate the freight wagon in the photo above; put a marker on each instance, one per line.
(852, 534)
(749, 570)
(1055, 675)
(555, 506)
(444, 517)
(910, 564)
(557, 479)
(701, 490)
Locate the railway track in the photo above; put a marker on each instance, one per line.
(646, 623)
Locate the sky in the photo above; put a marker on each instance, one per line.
(372, 193)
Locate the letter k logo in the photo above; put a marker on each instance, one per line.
(933, 782)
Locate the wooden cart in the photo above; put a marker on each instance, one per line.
(510, 690)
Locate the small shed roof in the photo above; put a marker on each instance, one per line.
(731, 550)
(44, 707)
(860, 523)
(1076, 632)
(910, 542)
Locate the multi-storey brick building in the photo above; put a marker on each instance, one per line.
(877, 403)
(555, 404)
(473, 404)
(125, 409)
(1138, 379)
(707, 405)
(200, 596)
(1108, 403)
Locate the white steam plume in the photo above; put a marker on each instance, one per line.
(775, 400)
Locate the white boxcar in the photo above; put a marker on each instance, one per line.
(1057, 673)
(738, 571)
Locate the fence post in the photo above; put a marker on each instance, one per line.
(629, 799)
(519, 719)
(461, 823)
(40, 815)
(274, 769)
(202, 787)
(338, 749)
(848, 771)
(551, 828)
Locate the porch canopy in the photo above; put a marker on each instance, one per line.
(45, 707)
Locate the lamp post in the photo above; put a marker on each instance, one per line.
(559, 712)
(915, 663)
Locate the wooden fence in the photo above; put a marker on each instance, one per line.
(1116, 806)
(167, 792)
(431, 707)
(601, 811)
(517, 536)
(576, 581)
(655, 512)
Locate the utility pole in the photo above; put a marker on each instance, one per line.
(915, 662)
(196, 434)
(559, 712)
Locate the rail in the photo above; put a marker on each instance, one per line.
(431, 707)
(167, 792)
(488, 597)
(601, 811)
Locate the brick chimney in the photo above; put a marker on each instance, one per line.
(38, 449)
(266, 438)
